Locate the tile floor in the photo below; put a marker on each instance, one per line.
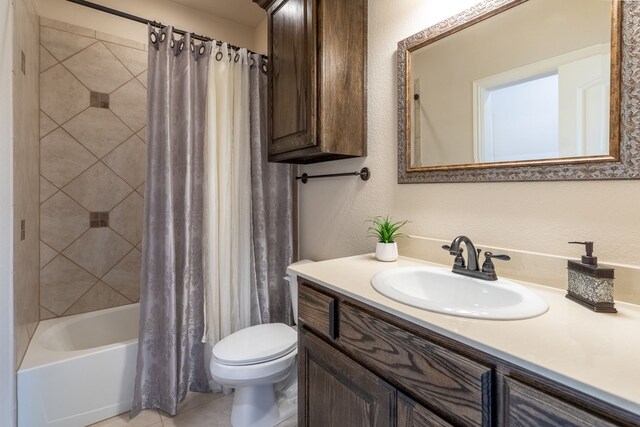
(197, 410)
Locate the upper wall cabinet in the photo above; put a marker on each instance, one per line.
(317, 79)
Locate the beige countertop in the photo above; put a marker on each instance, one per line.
(594, 352)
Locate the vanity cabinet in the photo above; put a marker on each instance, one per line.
(412, 414)
(317, 79)
(340, 392)
(361, 366)
(526, 406)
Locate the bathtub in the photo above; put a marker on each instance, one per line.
(79, 369)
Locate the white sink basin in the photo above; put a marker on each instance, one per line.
(440, 290)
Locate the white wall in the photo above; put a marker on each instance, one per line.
(7, 373)
(164, 11)
(534, 216)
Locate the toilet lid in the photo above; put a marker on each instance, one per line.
(256, 344)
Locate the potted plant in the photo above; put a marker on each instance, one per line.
(386, 232)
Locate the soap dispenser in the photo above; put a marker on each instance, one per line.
(589, 284)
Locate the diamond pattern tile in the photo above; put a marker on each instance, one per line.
(98, 129)
(47, 189)
(98, 69)
(62, 44)
(134, 60)
(98, 189)
(69, 28)
(62, 96)
(126, 218)
(142, 78)
(46, 124)
(62, 221)
(142, 134)
(47, 253)
(125, 276)
(129, 161)
(99, 297)
(130, 104)
(140, 189)
(62, 283)
(46, 59)
(62, 158)
(46, 314)
(98, 250)
(120, 40)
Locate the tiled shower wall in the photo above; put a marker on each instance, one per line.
(25, 174)
(92, 168)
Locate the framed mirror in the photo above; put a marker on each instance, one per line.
(521, 90)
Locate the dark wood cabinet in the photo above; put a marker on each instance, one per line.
(452, 384)
(361, 366)
(336, 391)
(412, 414)
(529, 407)
(317, 79)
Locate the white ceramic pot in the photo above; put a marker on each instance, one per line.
(386, 251)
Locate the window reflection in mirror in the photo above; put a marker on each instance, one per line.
(530, 83)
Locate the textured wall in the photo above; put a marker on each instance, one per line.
(539, 217)
(25, 175)
(92, 168)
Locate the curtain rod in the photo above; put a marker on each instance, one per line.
(141, 20)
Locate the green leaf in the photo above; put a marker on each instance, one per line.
(384, 230)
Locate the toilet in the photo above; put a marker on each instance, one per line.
(259, 362)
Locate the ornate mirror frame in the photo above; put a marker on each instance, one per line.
(624, 159)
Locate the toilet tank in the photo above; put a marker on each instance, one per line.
(292, 278)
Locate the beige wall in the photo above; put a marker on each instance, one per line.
(539, 217)
(25, 175)
(449, 67)
(164, 11)
(261, 42)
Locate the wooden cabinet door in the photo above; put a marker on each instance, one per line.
(529, 407)
(448, 382)
(336, 391)
(292, 84)
(412, 414)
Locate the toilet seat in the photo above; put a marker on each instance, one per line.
(256, 345)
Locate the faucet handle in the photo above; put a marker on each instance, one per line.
(488, 266)
(459, 260)
(500, 257)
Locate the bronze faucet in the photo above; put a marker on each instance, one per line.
(471, 267)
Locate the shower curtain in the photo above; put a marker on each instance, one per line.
(171, 354)
(271, 211)
(248, 242)
(227, 195)
(217, 234)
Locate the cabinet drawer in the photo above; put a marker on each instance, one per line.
(412, 414)
(527, 406)
(318, 312)
(448, 383)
